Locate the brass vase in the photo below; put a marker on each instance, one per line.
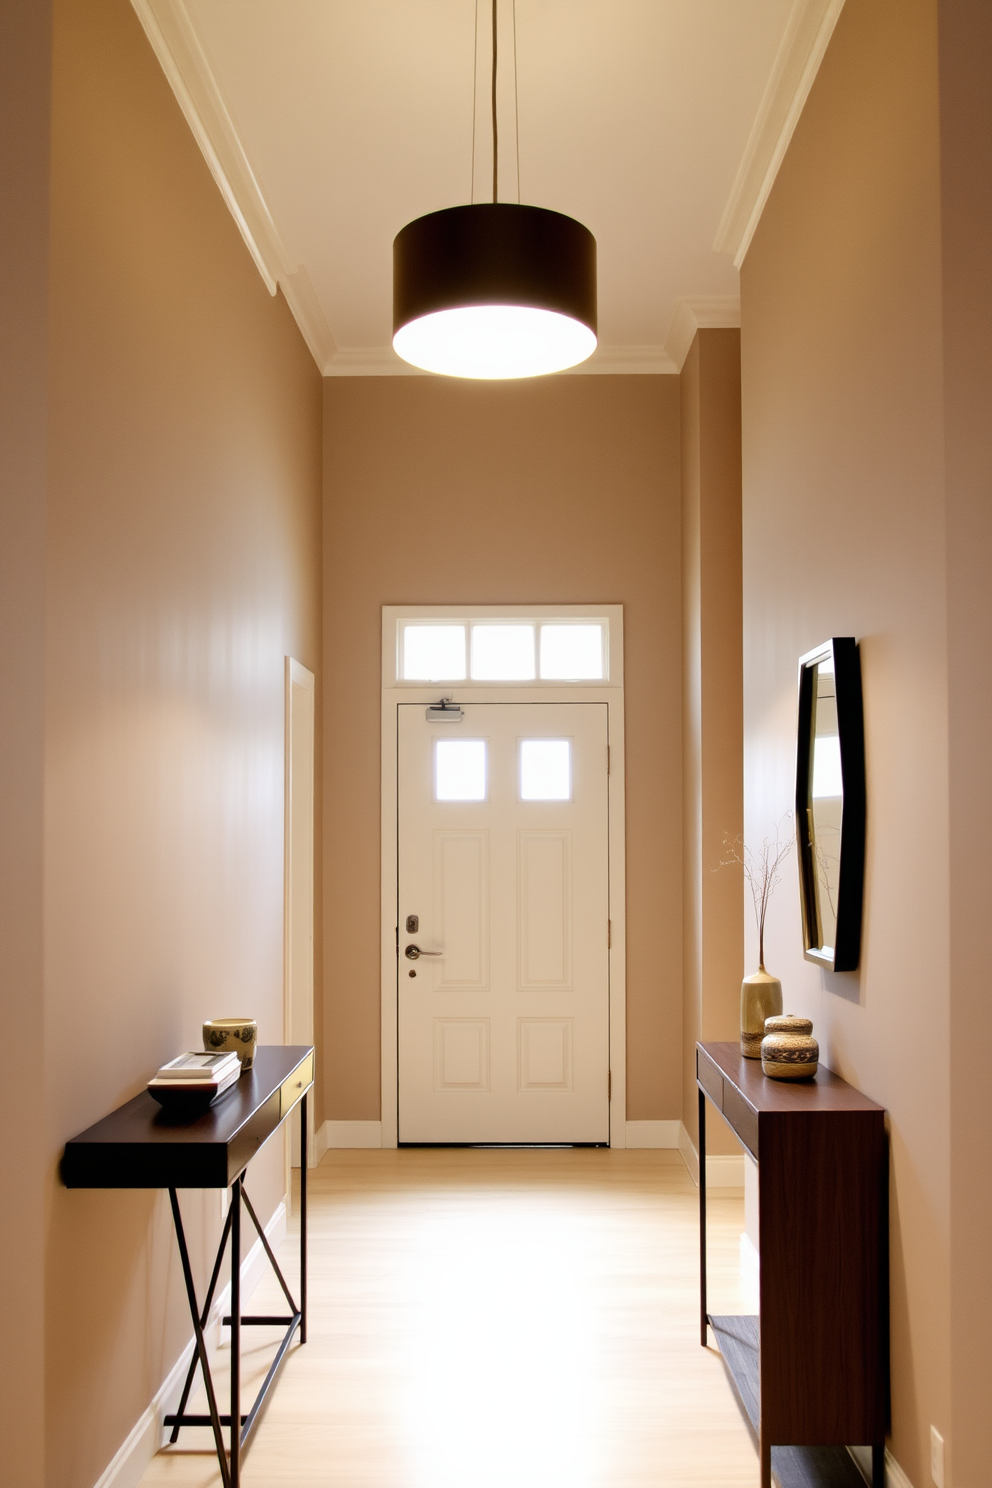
(761, 998)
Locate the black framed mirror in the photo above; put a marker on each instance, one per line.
(830, 803)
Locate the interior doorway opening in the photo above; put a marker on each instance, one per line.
(298, 886)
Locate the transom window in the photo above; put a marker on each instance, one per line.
(559, 650)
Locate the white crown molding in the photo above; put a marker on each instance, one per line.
(807, 34)
(606, 361)
(177, 46)
(624, 361)
(707, 312)
(301, 297)
(369, 361)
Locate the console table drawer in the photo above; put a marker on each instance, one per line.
(292, 1089)
(710, 1078)
(741, 1117)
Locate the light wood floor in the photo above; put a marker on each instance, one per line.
(499, 1319)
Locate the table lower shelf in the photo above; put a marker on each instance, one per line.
(792, 1467)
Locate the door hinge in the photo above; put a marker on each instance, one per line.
(609, 1085)
(609, 935)
(607, 759)
(397, 940)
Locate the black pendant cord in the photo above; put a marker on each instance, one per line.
(495, 125)
(475, 89)
(516, 101)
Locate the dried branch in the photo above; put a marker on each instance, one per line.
(761, 870)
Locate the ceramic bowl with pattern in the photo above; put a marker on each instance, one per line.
(240, 1035)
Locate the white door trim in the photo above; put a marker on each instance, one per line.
(611, 693)
(298, 872)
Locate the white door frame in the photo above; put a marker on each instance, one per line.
(609, 692)
(298, 873)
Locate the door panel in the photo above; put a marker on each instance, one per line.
(545, 909)
(504, 860)
(544, 1058)
(461, 1054)
(461, 904)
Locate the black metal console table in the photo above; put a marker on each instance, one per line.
(140, 1146)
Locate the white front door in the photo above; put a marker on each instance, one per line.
(504, 892)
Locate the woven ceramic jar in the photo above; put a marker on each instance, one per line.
(235, 1035)
(761, 998)
(788, 1050)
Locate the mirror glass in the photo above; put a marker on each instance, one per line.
(826, 801)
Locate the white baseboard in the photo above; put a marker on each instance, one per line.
(721, 1172)
(319, 1145)
(144, 1440)
(689, 1154)
(129, 1463)
(725, 1173)
(653, 1133)
(351, 1134)
(894, 1475)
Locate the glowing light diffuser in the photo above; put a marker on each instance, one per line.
(495, 341)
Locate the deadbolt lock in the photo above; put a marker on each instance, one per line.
(412, 924)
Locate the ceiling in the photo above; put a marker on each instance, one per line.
(328, 124)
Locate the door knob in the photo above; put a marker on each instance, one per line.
(413, 953)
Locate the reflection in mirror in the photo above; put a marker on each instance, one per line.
(826, 804)
(830, 803)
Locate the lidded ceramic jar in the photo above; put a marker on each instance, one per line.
(788, 1050)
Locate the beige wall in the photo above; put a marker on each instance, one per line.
(559, 491)
(167, 556)
(845, 533)
(712, 718)
(965, 51)
(25, 58)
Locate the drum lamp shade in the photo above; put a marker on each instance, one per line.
(494, 290)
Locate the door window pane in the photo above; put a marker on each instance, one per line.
(460, 770)
(502, 653)
(433, 653)
(572, 653)
(545, 769)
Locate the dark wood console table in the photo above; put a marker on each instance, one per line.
(812, 1368)
(139, 1146)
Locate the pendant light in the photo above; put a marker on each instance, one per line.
(494, 290)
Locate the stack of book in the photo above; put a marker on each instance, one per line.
(194, 1080)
